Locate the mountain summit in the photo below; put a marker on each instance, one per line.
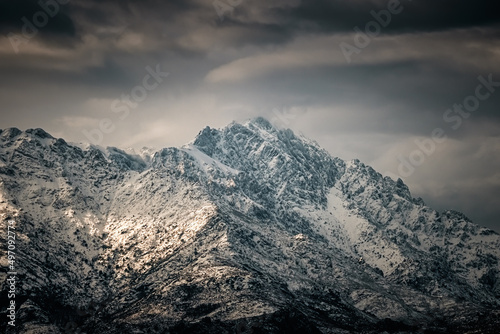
(246, 229)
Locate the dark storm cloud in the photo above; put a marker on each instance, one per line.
(258, 22)
(256, 33)
(70, 20)
(423, 15)
(107, 12)
(14, 14)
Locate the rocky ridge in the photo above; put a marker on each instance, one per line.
(249, 228)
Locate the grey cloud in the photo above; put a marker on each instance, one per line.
(23, 19)
(337, 15)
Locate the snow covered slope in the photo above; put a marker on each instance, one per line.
(246, 229)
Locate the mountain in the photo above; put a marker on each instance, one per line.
(246, 229)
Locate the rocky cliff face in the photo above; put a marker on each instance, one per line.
(247, 229)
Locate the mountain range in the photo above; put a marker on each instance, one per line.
(246, 229)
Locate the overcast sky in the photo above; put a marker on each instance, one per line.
(89, 70)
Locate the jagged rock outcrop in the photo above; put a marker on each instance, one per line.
(246, 229)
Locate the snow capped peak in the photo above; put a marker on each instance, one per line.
(207, 140)
(9, 133)
(239, 223)
(205, 162)
(40, 133)
(261, 123)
